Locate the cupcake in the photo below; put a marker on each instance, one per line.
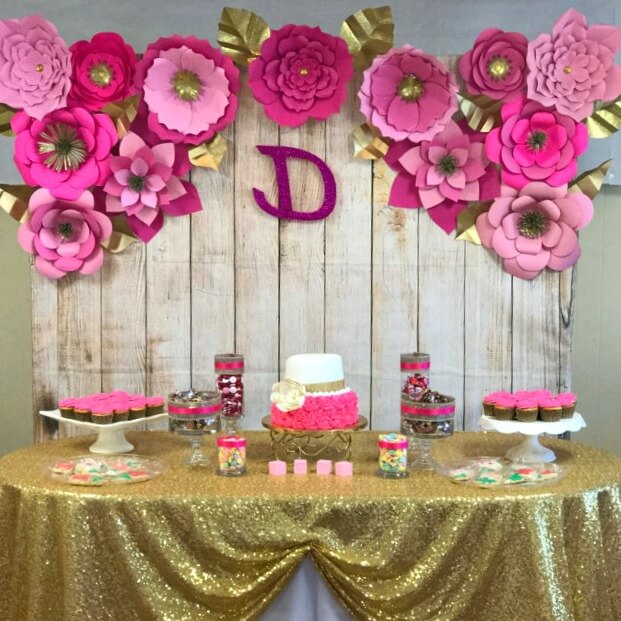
(155, 405)
(121, 411)
(527, 410)
(102, 415)
(568, 404)
(66, 408)
(82, 410)
(137, 408)
(550, 409)
(504, 408)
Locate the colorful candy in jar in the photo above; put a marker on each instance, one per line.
(414, 374)
(229, 369)
(231, 456)
(393, 455)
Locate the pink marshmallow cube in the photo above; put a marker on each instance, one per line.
(324, 466)
(344, 469)
(300, 466)
(277, 468)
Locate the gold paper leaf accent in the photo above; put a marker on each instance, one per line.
(590, 182)
(605, 121)
(369, 144)
(466, 222)
(209, 154)
(481, 112)
(122, 113)
(6, 114)
(122, 236)
(368, 33)
(14, 200)
(241, 33)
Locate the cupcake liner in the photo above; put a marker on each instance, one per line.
(120, 417)
(136, 413)
(106, 419)
(502, 413)
(527, 415)
(550, 415)
(488, 409)
(568, 411)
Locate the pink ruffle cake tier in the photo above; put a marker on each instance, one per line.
(320, 412)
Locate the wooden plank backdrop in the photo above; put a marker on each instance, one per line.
(369, 283)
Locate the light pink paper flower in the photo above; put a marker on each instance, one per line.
(103, 70)
(496, 65)
(66, 151)
(536, 144)
(64, 236)
(190, 89)
(302, 73)
(535, 228)
(35, 66)
(408, 94)
(442, 175)
(144, 186)
(574, 67)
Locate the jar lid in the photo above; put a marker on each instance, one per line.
(228, 362)
(415, 361)
(232, 441)
(392, 441)
(194, 403)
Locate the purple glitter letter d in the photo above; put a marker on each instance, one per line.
(285, 208)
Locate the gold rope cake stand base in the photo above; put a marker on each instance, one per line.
(312, 443)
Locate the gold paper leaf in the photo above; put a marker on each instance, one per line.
(209, 154)
(605, 121)
(6, 114)
(590, 182)
(466, 222)
(481, 112)
(241, 33)
(14, 200)
(369, 144)
(368, 33)
(122, 113)
(122, 236)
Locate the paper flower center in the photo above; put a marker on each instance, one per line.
(410, 88)
(567, 69)
(39, 68)
(532, 224)
(447, 165)
(187, 85)
(498, 67)
(136, 183)
(64, 148)
(537, 140)
(65, 230)
(101, 74)
(303, 71)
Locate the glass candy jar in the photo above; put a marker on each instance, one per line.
(231, 456)
(393, 456)
(229, 371)
(415, 370)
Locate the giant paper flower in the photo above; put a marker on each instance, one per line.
(64, 236)
(535, 227)
(573, 67)
(35, 66)
(103, 70)
(443, 174)
(408, 94)
(190, 89)
(302, 73)
(496, 64)
(536, 144)
(66, 151)
(144, 186)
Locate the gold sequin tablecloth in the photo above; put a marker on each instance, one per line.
(192, 546)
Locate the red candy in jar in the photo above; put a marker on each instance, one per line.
(415, 369)
(229, 369)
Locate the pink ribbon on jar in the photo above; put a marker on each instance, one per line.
(409, 409)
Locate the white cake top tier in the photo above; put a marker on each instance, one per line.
(314, 368)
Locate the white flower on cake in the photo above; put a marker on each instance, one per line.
(288, 395)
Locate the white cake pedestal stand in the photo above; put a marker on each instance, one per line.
(530, 450)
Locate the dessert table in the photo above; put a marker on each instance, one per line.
(192, 545)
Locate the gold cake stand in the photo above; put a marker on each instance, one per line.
(312, 443)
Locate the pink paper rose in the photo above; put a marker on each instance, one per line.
(144, 186)
(536, 144)
(301, 73)
(66, 151)
(535, 227)
(574, 67)
(64, 236)
(103, 70)
(190, 89)
(408, 94)
(496, 65)
(442, 175)
(35, 66)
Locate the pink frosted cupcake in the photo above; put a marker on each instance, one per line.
(568, 403)
(504, 408)
(155, 405)
(527, 410)
(82, 409)
(66, 408)
(121, 411)
(489, 401)
(102, 414)
(550, 409)
(137, 407)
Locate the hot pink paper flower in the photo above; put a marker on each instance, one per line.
(535, 227)
(536, 144)
(496, 65)
(35, 66)
(144, 186)
(443, 174)
(66, 151)
(574, 66)
(103, 70)
(64, 236)
(190, 89)
(302, 73)
(408, 94)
